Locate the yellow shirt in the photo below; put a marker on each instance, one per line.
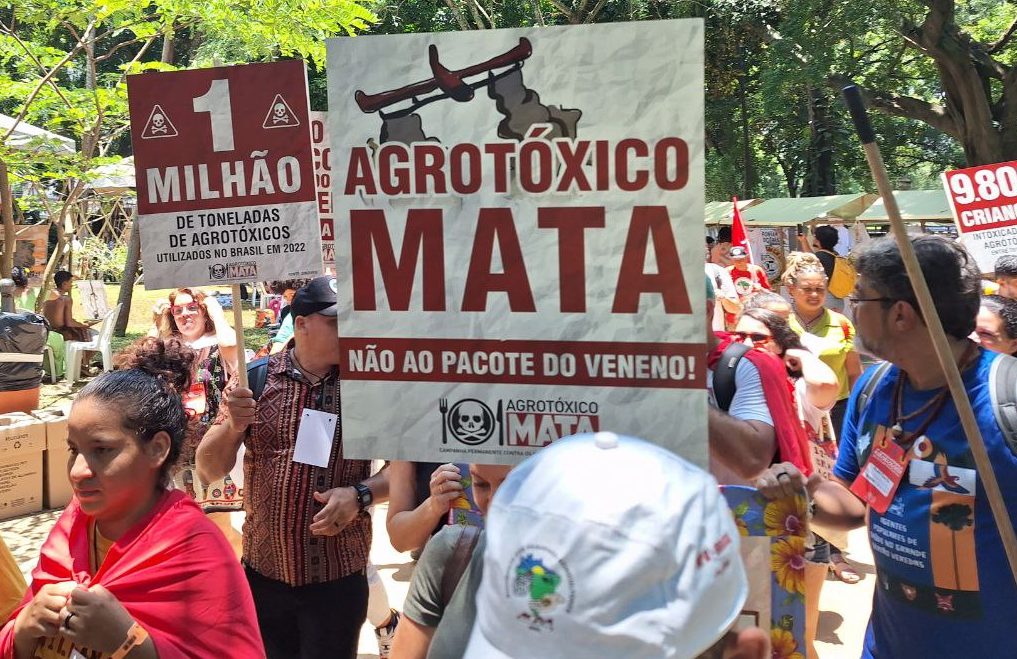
(59, 647)
(12, 583)
(836, 337)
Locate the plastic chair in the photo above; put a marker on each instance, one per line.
(101, 343)
(49, 358)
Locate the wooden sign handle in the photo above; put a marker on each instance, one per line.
(238, 327)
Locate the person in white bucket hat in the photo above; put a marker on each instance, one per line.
(604, 547)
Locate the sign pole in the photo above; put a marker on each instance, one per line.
(853, 99)
(238, 327)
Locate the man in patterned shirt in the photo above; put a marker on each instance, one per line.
(307, 532)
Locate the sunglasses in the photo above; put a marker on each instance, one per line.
(755, 337)
(179, 309)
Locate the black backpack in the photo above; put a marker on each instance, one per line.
(724, 374)
(257, 374)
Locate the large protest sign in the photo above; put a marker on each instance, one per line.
(324, 170)
(519, 238)
(984, 204)
(224, 174)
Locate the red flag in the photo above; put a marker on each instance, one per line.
(739, 237)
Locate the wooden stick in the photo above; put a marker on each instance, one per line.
(238, 326)
(854, 102)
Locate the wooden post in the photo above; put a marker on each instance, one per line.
(853, 98)
(7, 213)
(238, 327)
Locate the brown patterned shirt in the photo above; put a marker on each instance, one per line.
(278, 491)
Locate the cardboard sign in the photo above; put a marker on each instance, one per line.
(225, 178)
(324, 170)
(984, 204)
(519, 239)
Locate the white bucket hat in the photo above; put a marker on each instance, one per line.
(607, 547)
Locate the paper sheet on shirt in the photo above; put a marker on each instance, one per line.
(314, 438)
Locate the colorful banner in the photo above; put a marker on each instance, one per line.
(984, 204)
(519, 220)
(224, 174)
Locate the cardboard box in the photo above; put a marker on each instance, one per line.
(56, 488)
(22, 442)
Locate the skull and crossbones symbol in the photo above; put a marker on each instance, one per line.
(471, 421)
(280, 114)
(159, 123)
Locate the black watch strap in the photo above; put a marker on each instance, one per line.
(364, 496)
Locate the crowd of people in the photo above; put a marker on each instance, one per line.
(599, 545)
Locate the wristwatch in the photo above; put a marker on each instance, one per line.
(136, 635)
(364, 496)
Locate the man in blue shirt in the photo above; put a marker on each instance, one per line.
(944, 587)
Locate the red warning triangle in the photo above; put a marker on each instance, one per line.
(158, 125)
(280, 115)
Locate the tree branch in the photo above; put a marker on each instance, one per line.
(460, 19)
(1000, 43)
(903, 106)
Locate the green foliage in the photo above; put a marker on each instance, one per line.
(104, 262)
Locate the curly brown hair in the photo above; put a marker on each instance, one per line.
(168, 324)
(146, 391)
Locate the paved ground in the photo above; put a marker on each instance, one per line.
(844, 608)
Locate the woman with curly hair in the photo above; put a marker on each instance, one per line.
(199, 322)
(831, 336)
(132, 565)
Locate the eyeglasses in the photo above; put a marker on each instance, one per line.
(755, 337)
(179, 309)
(854, 301)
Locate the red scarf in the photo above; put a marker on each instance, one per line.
(173, 571)
(792, 442)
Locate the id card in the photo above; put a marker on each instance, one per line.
(314, 438)
(882, 473)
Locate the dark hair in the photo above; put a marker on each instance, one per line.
(280, 287)
(724, 235)
(19, 276)
(145, 391)
(950, 271)
(61, 276)
(1006, 266)
(1006, 309)
(709, 240)
(785, 337)
(827, 237)
(765, 300)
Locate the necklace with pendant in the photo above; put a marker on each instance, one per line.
(807, 324)
(933, 406)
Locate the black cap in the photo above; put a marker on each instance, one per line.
(318, 296)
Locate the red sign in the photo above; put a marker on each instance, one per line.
(984, 204)
(224, 174)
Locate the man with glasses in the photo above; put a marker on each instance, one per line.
(307, 533)
(905, 467)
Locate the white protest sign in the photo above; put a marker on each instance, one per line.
(519, 222)
(225, 179)
(984, 204)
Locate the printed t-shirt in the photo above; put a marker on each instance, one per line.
(836, 337)
(424, 604)
(746, 279)
(944, 587)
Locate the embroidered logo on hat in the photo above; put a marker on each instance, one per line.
(540, 582)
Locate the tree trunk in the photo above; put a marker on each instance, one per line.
(7, 212)
(130, 276)
(748, 192)
(821, 179)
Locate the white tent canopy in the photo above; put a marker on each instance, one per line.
(116, 178)
(28, 137)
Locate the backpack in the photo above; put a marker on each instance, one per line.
(724, 374)
(257, 374)
(1002, 391)
(842, 281)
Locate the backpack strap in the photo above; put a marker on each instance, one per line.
(863, 400)
(456, 566)
(257, 374)
(1003, 392)
(724, 374)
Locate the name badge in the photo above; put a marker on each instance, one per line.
(314, 438)
(882, 473)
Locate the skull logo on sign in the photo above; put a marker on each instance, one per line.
(279, 114)
(158, 123)
(471, 421)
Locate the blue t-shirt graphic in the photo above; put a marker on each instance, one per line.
(944, 587)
